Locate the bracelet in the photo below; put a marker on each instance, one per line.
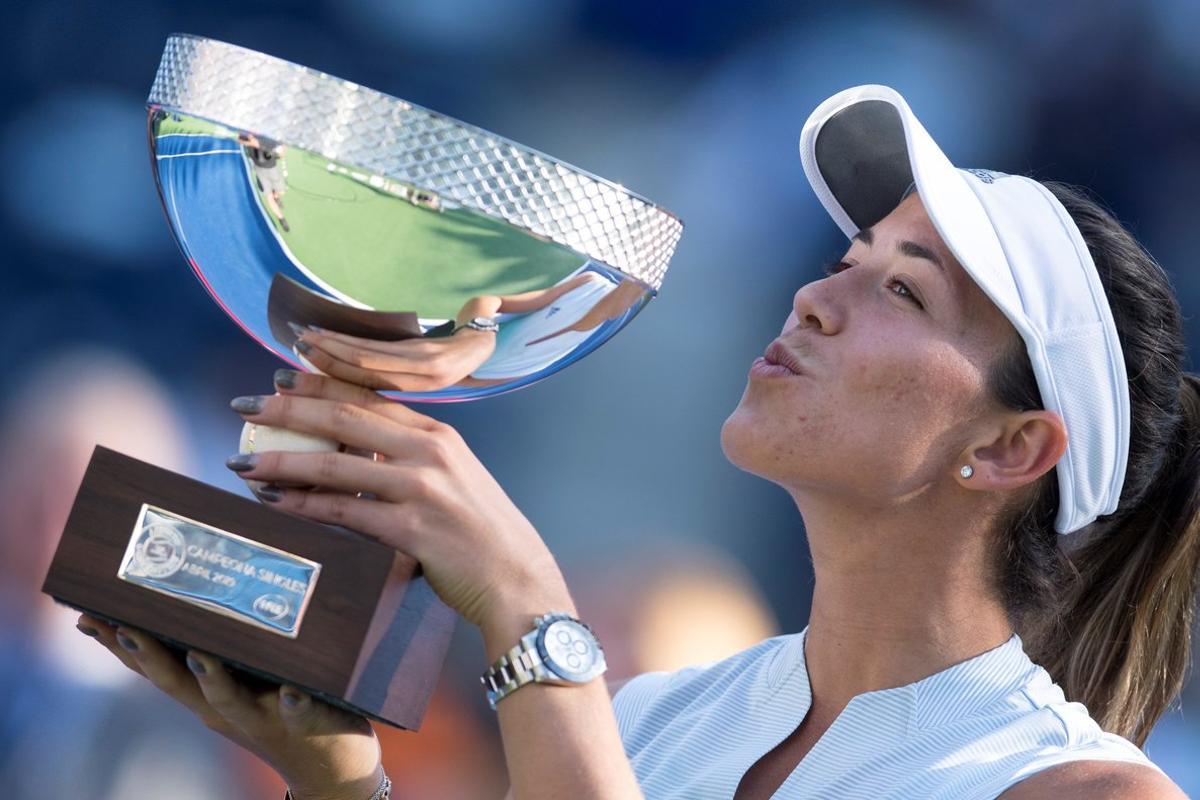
(382, 793)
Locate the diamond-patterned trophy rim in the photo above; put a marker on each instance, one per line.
(302, 107)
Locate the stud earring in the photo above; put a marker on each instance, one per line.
(966, 471)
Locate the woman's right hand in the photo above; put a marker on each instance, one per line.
(322, 752)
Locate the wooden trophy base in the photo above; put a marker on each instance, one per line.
(281, 597)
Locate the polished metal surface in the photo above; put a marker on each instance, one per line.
(219, 571)
(267, 168)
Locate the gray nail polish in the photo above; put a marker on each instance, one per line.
(87, 630)
(247, 405)
(285, 378)
(316, 328)
(195, 666)
(299, 330)
(303, 347)
(242, 462)
(127, 643)
(270, 494)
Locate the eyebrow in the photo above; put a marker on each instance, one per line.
(911, 249)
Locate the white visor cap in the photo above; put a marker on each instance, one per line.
(863, 148)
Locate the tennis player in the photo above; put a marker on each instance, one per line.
(981, 416)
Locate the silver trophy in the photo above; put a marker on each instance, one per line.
(294, 194)
(308, 206)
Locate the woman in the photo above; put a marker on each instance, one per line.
(982, 418)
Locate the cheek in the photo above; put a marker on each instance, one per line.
(897, 371)
(918, 396)
(898, 388)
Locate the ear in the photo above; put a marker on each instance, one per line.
(1029, 444)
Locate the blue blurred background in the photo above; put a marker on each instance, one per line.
(107, 335)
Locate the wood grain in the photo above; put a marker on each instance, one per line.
(374, 636)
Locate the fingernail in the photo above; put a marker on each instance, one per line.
(270, 493)
(299, 330)
(303, 346)
(291, 698)
(285, 378)
(127, 643)
(316, 328)
(242, 462)
(247, 405)
(195, 666)
(87, 630)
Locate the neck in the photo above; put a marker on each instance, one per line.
(897, 598)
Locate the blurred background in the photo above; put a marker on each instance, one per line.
(108, 337)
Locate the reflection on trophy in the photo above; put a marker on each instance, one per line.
(381, 243)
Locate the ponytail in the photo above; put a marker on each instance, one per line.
(1108, 612)
(1129, 615)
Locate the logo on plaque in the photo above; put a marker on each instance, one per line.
(160, 553)
(272, 606)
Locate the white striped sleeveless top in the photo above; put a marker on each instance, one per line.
(969, 731)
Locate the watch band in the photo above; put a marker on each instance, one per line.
(382, 793)
(525, 664)
(511, 671)
(480, 324)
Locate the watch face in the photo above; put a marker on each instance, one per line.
(573, 651)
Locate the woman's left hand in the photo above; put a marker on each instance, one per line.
(434, 500)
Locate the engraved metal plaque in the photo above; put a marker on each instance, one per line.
(217, 570)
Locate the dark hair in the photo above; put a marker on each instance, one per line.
(1108, 612)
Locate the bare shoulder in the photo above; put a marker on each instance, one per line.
(1096, 780)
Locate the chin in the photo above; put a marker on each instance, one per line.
(737, 439)
(751, 441)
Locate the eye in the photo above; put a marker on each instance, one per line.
(834, 267)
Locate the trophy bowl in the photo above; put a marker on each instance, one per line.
(298, 196)
(309, 206)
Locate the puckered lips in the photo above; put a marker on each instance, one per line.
(778, 354)
(776, 362)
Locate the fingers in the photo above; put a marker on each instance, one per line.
(307, 384)
(228, 698)
(345, 422)
(106, 635)
(328, 470)
(296, 709)
(374, 379)
(165, 671)
(195, 686)
(409, 355)
(255, 720)
(302, 714)
(384, 521)
(415, 346)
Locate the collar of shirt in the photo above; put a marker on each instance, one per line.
(952, 693)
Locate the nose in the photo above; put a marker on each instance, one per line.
(812, 307)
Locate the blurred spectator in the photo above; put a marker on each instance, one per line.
(669, 604)
(73, 721)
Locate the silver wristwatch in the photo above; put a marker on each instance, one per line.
(480, 324)
(560, 650)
